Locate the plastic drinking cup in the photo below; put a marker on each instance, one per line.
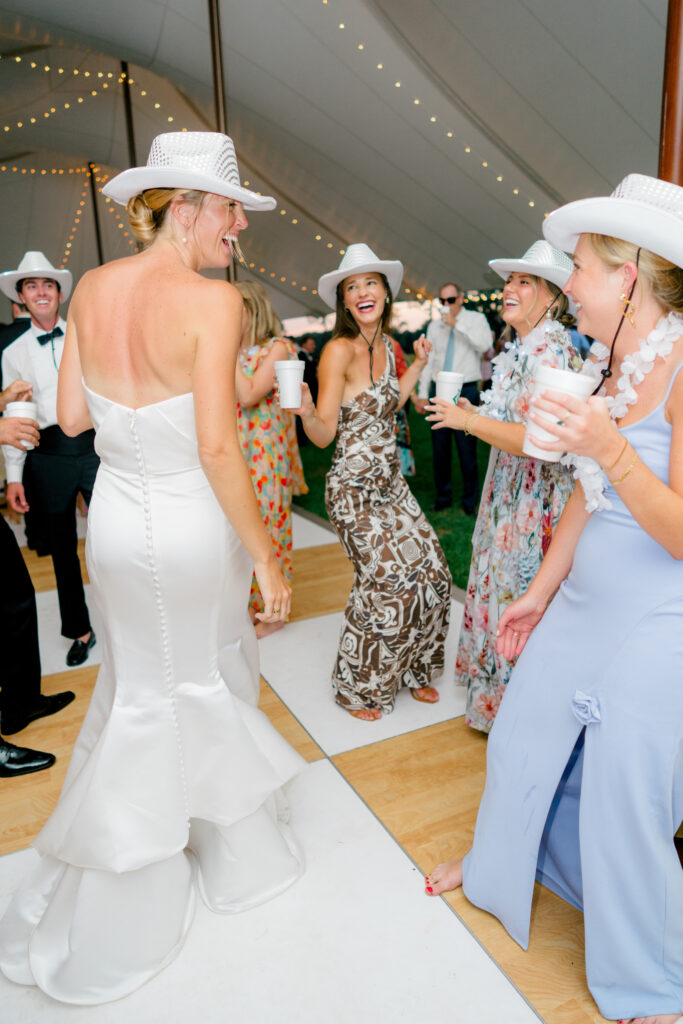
(290, 374)
(24, 411)
(449, 385)
(569, 382)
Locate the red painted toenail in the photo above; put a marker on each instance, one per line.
(429, 889)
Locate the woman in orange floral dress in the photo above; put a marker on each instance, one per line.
(267, 432)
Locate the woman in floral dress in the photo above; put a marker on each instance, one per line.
(522, 497)
(398, 610)
(267, 432)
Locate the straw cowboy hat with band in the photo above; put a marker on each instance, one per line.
(201, 161)
(34, 264)
(359, 259)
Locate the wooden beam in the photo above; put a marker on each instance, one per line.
(671, 132)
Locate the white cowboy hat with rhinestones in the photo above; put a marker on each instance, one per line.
(359, 259)
(202, 161)
(541, 260)
(34, 264)
(645, 211)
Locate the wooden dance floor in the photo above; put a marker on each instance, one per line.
(355, 941)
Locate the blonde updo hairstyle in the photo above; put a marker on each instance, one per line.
(148, 211)
(263, 323)
(664, 279)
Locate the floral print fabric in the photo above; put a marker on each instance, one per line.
(521, 503)
(397, 615)
(268, 438)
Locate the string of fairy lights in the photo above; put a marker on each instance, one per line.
(431, 118)
(96, 83)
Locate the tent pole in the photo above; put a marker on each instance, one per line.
(96, 216)
(671, 130)
(128, 109)
(220, 104)
(217, 65)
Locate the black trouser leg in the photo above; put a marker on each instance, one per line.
(20, 662)
(467, 454)
(57, 481)
(64, 550)
(441, 452)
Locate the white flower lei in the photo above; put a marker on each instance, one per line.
(494, 401)
(634, 367)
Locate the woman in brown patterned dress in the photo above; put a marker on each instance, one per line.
(398, 610)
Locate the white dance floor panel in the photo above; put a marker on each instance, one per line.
(355, 941)
(297, 662)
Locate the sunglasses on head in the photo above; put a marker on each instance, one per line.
(450, 301)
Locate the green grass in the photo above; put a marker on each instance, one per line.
(453, 527)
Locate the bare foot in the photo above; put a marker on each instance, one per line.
(444, 878)
(266, 628)
(367, 714)
(659, 1018)
(425, 694)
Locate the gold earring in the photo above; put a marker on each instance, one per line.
(629, 309)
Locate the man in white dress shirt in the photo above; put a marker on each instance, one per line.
(458, 341)
(61, 466)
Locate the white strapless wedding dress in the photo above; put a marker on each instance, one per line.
(175, 771)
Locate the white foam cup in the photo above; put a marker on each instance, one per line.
(24, 411)
(290, 374)
(449, 385)
(569, 382)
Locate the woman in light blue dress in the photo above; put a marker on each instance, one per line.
(584, 783)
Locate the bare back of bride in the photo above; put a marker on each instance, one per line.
(173, 762)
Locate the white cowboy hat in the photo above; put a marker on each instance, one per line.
(645, 211)
(205, 161)
(359, 259)
(541, 260)
(34, 264)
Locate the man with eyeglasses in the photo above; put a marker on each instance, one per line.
(459, 340)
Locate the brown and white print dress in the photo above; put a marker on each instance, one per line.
(398, 611)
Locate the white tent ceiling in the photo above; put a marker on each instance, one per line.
(505, 108)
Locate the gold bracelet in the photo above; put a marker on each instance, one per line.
(608, 469)
(628, 470)
(468, 423)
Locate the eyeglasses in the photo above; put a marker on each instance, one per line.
(450, 301)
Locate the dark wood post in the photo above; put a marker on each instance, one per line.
(671, 132)
(95, 212)
(220, 104)
(217, 63)
(128, 109)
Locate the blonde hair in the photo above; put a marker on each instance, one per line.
(559, 310)
(263, 322)
(664, 278)
(147, 210)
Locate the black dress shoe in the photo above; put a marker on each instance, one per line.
(21, 760)
(15, 721)
(439, 506)
(78, 652)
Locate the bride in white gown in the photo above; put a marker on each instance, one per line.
(173, 755)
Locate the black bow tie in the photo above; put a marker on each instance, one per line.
(56, 332)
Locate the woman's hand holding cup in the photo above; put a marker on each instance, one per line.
(582, 427)
(443, 413)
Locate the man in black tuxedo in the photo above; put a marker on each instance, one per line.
(21, 701)
(62, 467)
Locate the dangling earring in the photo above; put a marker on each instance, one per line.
(183, 239)
(629, 309)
